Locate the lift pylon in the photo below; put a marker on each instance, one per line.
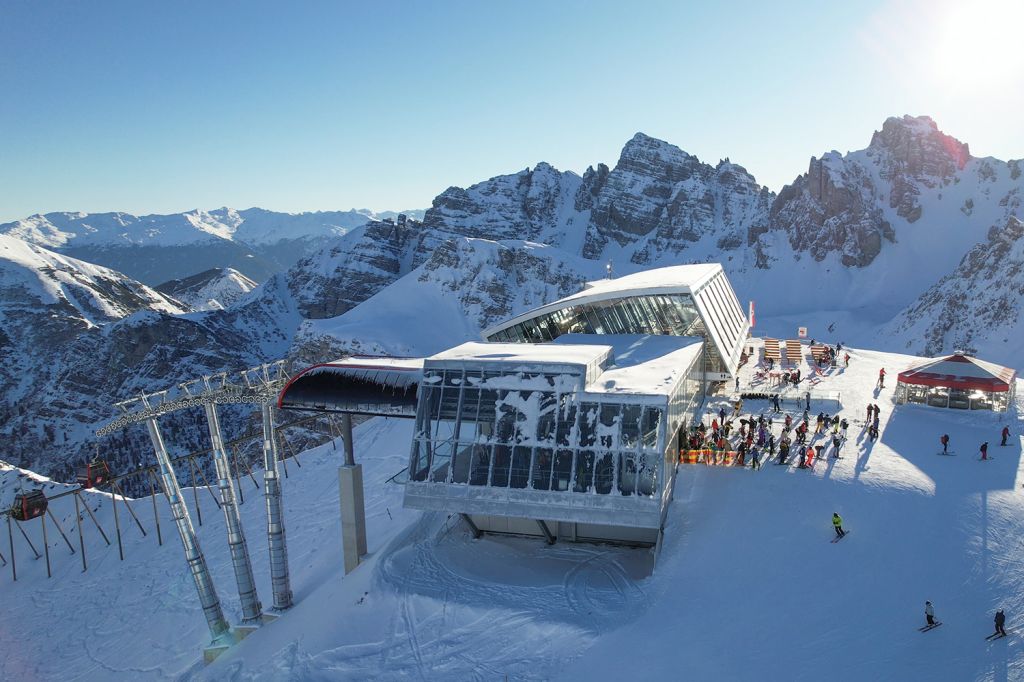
(251, 607)
(193, 553)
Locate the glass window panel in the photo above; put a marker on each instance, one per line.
(519, 475)
(567, 422)
(584, 476)
(479, 468)
(439, 464)
(548, 412)
(627, 473)
(649, 427)
(543, 459)
(608, 429)
(502, 463)
(462, 462)
(647, 474)
(588, 424)
(592, 320)
(631, 426)
(562, 470)
(604, 474)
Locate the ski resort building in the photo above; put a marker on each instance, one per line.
(566, 421)
(684, 300)
(960, 382)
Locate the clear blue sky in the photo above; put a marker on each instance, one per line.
(159, 107)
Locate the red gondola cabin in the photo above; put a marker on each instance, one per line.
(29, 505)
(93, 474)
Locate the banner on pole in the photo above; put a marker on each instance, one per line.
(801, 332)
(751, 315)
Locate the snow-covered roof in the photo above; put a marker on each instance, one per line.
(676, 279)
(577, 354)
(960, 371)
(649, 365)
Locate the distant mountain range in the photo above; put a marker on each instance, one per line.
(909, 244)
(157, 248)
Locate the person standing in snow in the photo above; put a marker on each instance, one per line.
(755, 458)
(846, 358)
(737, 383)
(881, 378)
(945, 443)
(843, 425)
(929, 613)
(867, 420)
(1005, 434)
(1000, 621)
(837, 523)
(837, 443)
(984, 450)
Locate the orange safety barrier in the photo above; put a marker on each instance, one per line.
(710, 457)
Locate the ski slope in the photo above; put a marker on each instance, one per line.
(747, 586)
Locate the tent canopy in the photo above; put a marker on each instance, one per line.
(960, 371)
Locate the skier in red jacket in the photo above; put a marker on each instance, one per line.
(1006, 434)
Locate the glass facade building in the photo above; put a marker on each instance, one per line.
(543, 440)
(699, 302)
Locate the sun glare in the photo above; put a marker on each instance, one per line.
(979, 43)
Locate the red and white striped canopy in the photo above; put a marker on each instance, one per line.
(960, 371)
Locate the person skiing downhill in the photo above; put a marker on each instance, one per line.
(1005, 434)
(1000, 621)
(984, 450)
(929, 613)
(837, 523)
(945, 443)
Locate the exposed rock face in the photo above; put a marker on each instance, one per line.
(833, 208)
(976, 308)
(333, 281)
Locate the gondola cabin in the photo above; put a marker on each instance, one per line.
(29, 505)
(93, 474)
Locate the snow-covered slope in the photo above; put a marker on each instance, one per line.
(210, 290)
(747, 586)
(465, 286)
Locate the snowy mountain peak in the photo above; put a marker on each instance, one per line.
(650, 156)
(920, 147)
(211, 289)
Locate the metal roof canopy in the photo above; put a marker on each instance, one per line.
(383, 387)
(962, 372)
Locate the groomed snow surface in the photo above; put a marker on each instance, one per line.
(747, 586)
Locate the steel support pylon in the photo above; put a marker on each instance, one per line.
(279, 578)
(252, 610)
(193, 553)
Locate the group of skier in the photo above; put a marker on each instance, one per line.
(930, 622)
(872, 421)
(756, 439)
(982, 449)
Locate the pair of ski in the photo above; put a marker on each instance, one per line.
(995, 635)
(839, 537)
(951, 453)
(926, 628)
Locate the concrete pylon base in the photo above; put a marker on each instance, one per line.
(353, 514)
(231, 638)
